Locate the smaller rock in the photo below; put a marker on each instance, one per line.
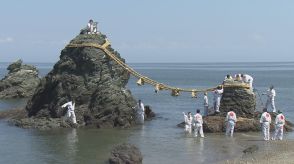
(251, 149)
(20, 81)
(149, 113)
(13, 67)
(125, 154)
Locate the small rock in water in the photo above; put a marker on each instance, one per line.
(251, 149)
(20, 81)
(125, 154)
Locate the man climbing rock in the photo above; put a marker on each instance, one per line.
(70, 111)
(217, 98)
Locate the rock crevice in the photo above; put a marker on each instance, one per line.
(92, 80)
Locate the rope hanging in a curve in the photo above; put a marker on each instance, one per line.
(142, 79)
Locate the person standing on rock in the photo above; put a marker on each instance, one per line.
(188, 122)
(70, 111)
(265, 121)
(231, 120)
(205, 103)
(198, 124)
(140, 112)
(271, 93)
(91, 27)
(217, 98)
(279, 126)
(247, 79)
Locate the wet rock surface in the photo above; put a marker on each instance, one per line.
(217, 124)
(125, 154)
(241, 100)
(91, 79)
(20, 82)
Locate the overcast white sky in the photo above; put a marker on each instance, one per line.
(153, 30)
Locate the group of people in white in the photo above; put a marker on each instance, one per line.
(195, 122)
(243, 78)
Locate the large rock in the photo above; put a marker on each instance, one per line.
(95, 82)
(20, 81)
(125, 154)
(216, 124)
(240, 99)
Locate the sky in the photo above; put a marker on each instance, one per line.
(160, 31)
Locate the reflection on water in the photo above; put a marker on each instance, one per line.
(159, 140)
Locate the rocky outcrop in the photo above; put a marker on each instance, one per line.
(240, 99)
(20, 82)
(91, 79)
(214, 124)
(125, 154)
(217, 124)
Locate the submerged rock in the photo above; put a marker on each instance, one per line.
(125, 154)
(20, 82)
(95, 82)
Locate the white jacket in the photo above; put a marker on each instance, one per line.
(69, 105)
(198, 119)
(231, 116)
(280, 120)
(265, 117)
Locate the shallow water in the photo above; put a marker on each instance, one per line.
(159, 140)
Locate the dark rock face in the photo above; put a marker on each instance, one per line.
(125, 154)
(149, 113)
(92, 80)
(241, 100)
(20, 81)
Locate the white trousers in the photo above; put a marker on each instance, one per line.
(266, 130)
(205, 110)
(271, 102)
(216, 104)
(279, 130)
(199, 129)
(71, 115)
(140, 118)
(188, 128)
(230, 128)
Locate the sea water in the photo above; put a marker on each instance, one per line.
(159, 140)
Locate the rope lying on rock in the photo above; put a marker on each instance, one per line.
(142, 79)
